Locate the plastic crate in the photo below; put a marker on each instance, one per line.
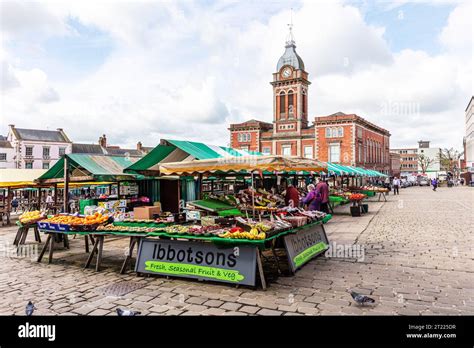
(43, 225)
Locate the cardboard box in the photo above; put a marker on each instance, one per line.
(145, 212)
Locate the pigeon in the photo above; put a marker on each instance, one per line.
(361, 299)
(127, 313)
(30, 308)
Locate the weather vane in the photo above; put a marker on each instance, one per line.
(291, 39)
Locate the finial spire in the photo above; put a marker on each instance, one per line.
(290, 39)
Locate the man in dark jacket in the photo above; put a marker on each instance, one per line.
(292, 196)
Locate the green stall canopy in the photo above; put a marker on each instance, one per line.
(86, 167)
(182, 151)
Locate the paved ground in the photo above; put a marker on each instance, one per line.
(418, 259)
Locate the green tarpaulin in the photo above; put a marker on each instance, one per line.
(100, 167)
(182, 150)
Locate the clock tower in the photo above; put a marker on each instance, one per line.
(290, 92)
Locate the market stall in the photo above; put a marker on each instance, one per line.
(12, 180)
(87, 173)
(268, 224)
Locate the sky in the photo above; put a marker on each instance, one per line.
(151, 70)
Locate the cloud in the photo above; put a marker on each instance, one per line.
(8, 79)
(182, 70)
(21, 19)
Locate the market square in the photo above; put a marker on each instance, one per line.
(416, 268)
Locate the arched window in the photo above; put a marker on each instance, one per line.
(334, 132)
(328, 132)
(340, 132)
(282, 105)
(291, 111)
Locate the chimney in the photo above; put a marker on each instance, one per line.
(103, 141)
(139, 146)
(11, 125)
(59, 129)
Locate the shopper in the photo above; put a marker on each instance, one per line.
(49, 201)
(322, 188)
(434, 183)
(14, 204)
(292, 197)
(312, 201)
(396, 185)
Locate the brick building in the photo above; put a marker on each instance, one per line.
(410, 163)
(342, 138)
(395, 164)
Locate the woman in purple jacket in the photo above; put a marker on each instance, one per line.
(312, 200)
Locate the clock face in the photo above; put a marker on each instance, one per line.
(286, 72)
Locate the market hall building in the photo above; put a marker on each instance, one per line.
(341, 138)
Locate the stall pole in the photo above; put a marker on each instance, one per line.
(66, 186)
(7, 208)
(253, 196)
(55, 198)
(40, 197)
(199, 186)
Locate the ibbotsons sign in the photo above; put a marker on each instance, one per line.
(198, 260)
(305, 245)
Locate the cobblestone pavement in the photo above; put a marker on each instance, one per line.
(418, 259)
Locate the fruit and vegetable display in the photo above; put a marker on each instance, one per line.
(244, 199)
(75, 220)
(257, 231)
(369, 188)
(357, 196)
(127, 229)
(32, 217)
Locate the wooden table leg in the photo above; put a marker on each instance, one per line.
(91, 255)
(275, 256)
(260, 269)
(99, 254)
(45, 246)
(129, 255)
(25, 233)
(37, 234)
(66, 241)
(86, 241)
(51, 248)
(19, 233)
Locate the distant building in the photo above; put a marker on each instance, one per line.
(37, 149)
(6, 153)
(342, 138)
(410, 159)
(469, 138)
(395, 164)
(102, 148)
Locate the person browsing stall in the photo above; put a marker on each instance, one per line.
(322, 188)
(312, 199)
(292, 196)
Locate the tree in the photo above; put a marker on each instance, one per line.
(424, 162)
(448, 159)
